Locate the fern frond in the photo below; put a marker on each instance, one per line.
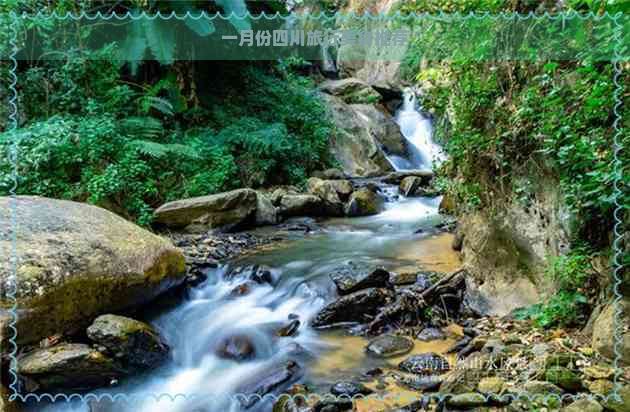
(161, 150)
(141, 127)
(160, 104)
(133, 49)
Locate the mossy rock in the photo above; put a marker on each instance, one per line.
(78, 261)
(584, 405)
(125, 338)
(563, 377)
(364, 202)
(69, 366)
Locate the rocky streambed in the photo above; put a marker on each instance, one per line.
(372, 308)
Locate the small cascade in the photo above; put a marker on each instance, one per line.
(418, 131)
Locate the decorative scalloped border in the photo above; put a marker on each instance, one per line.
(13, 124)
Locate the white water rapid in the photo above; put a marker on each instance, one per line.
(201, 381)
(423, 152)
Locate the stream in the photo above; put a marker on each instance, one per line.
(300, 288)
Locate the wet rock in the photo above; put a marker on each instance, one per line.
(493, 384)
(326, 190)
(221, 210)
(266, 212)
(463, 380)
(429, 334)
(333, 405)
(137, 343)
(363, 202)
(413, 186)
(394, 178)
(350, 90)
(423, 383)
(241, 290)
(289, 330)
(343, 188)
(259, 274)
(423, 281)
(459, 345)
(405, 278)
(470, 331)
(598, 372)
(359, 306)
(600, 387)
(330, 174)
(389, 346)
(273, 380)
(584, 405)
(542, 388)
(466, 400)
(285, 404)
(301, 205)
(236, 347)
(563, 377)
(425, 363)
(354, 277)
(69, 366)
(350, 389)
(419, 405)
(622, 404)
(79, 261)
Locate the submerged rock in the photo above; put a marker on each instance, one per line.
(425, 363)
(363, 202)
(350, 389)
(353, 277)
(584, 405)
(333, 405)
(69, 366)
(290, 329)
(389, 346)
(357, 307)
(423, 383)
(429, 334)
(272, 380)
(466, 400)
(79, 261)
(221, 210)
(237, 347)
(259, 274)
(134, 341)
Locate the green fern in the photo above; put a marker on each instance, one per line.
(161, 150)
(160, 104)
(141, 127)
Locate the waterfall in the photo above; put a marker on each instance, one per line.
(417, 129)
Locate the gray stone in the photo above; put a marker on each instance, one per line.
(387, 346)
(79, 261)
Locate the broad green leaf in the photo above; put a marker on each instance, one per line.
(160, 36)
(202, 26)
(237, 10)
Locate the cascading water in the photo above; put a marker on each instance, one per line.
(300, 287)
(417, 130)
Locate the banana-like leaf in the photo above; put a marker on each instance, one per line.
(134, 47)
(202, 26)
(160, 35)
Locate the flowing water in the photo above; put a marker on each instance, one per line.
(423, 152)
(301, 287)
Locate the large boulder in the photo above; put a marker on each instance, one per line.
(222, 210)
(357, 307)
(266, 212)
(326, 191)
(384, 129)
(354, 144)
(68, 366)
(350, 90)
(353, 277)
(603, 331)
(301, 205)
(364, 202)
(75, 262)
(124, 338)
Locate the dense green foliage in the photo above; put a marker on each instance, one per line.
(131, 137)
(515, 125)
